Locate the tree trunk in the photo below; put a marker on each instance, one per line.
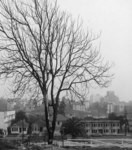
(50, 138)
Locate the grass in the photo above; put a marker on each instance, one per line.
(6, 145)
(90, 148)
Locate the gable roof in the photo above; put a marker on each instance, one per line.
(40, 111)
(21, 123)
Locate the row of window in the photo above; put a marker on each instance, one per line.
(102, 125)
(25, 129)
(20, 129)
(103, 131)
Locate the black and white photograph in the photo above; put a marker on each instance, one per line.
(65, 75)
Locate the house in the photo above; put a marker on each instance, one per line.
(21, 127)
(38, 126)
(5, 120)
(101, 127)
(60, 120)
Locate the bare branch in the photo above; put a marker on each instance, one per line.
(46, 53)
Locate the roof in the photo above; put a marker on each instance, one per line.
(102, 120)
(40, 122)
(40, 111)
(21, 123)
(61, 117)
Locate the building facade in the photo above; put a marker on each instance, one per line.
(38, 127)
(102, 127)
(5, 120)
(21, 127)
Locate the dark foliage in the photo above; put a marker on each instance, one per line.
(62, 107)
(20, 115)
(73, 127)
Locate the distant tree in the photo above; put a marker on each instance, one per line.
(113, 116)
(20, 115)
(62, 107)
(31, 118)
(73, 127)
(3, 104)
(18, 106)
(98, 108)
(123, 121)
(46, 53)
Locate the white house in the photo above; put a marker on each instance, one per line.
(5, 120)
(21, 127)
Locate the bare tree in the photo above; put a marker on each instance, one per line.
(46, 53)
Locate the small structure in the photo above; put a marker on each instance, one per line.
(21, 127)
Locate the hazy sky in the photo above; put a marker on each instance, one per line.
(114, 19)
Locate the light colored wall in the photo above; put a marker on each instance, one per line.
(9, 115)
(104, 126)
(5, 119)
(17, 131)
(2, 123)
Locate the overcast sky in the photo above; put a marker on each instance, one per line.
(114, 19)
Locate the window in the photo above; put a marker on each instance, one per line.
(118, 124)
(41, 129)
(113, 131)
(14, 129)
(24, 129)
(94, 131)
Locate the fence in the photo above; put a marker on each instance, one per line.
(122, 143)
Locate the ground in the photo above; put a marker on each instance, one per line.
(9, 143)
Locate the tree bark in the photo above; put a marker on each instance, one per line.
(50, 137)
